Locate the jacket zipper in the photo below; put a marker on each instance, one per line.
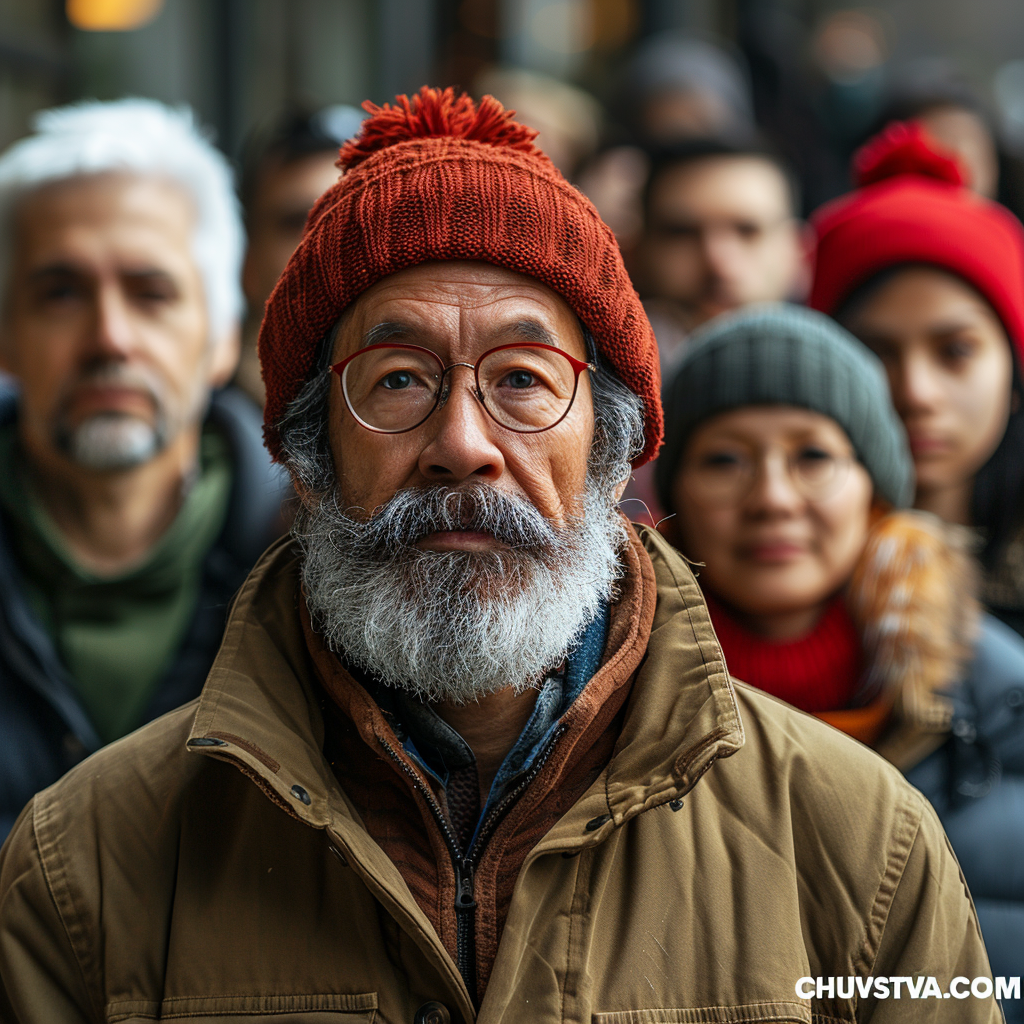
(465, 902)
(465, 865)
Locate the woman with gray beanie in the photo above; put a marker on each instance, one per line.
(788, 474)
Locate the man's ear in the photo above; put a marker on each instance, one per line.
(224, 359)
(620, 488)
(302, 492)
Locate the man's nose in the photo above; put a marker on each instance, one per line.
(722, 249)
(461, 444)
(113, 333)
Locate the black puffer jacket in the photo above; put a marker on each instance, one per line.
(44, 729)
(955, 675)
(975, 781)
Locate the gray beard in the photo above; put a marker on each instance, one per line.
(111, 441)
(457, 625)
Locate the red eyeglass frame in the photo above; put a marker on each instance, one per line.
(577, 365)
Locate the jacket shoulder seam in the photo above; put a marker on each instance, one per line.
(906, 829)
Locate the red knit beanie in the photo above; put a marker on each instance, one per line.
(912, 207)
(437, 178)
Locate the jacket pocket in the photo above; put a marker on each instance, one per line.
(749, 1013)
(329, 1008)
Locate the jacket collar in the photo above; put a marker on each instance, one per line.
(259, 708)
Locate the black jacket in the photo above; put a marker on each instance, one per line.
(975, 781)
(44, 729)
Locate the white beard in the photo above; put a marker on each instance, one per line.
(457, 625)
(111, 441)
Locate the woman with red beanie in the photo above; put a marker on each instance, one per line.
(931, 277)
(787, 472)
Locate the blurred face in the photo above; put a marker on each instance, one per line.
(720, 234)
(772, 500)
(950, 370)
(966, 134)
(284, 195)
(105, 325)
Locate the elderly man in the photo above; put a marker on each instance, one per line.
(469, 751)
(131, 508)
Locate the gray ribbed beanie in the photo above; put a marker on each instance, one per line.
(781, 354)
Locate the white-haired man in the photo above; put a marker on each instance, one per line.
(131, 505)
(469, 751)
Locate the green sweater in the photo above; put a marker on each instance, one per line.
(116, 635)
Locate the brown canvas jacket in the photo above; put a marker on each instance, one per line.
(211, 868)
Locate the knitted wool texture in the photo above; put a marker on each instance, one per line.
(782, 354)
(437, 178)
(913, 208)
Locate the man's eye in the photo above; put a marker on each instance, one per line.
(680, 232)
(748, 230)
(397, 380)
(60, 293)
(152, 292)
(520, 379)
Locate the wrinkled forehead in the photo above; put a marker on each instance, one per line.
(458, 307)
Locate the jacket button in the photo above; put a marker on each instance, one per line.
(595, 823)
(432, 1013)
(300, 794)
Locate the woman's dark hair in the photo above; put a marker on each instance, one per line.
(997, 502)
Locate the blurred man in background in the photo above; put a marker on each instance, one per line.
(286, 170)
(721, 230)
(132, 505)
(675, 88)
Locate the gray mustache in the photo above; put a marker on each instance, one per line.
(413, 514)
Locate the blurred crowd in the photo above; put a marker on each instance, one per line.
(840, 379)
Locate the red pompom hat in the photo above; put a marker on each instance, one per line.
(438, 178)
(912, 207)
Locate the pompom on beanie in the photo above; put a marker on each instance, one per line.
(781, 354)
(912, 207)
(439, 178)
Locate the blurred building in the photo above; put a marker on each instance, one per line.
(819, 68)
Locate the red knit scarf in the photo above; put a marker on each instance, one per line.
(818, 672)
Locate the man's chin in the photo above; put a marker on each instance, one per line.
(110, 442)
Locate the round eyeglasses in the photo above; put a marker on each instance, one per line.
(725, 476)
(526, 387)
